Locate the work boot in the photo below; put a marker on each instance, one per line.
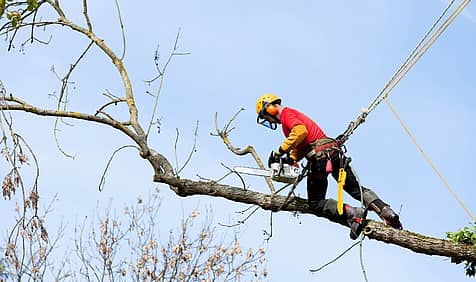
(386, 213)
(354, 220)
(390, 217)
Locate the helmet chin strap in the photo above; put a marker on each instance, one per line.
(268, 124)
(268, 121)
(268, 115)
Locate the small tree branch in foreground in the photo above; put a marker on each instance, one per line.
(224, 133)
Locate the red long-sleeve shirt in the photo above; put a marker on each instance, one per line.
(300, 131)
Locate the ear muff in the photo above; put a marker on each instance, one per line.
(271, 109)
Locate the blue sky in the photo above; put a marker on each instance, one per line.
(327, 59)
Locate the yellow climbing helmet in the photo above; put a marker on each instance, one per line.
(265, 116)
(264, 100)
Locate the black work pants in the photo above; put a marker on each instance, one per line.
(317, 187)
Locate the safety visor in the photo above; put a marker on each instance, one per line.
(261, 119)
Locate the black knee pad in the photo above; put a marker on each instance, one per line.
(316, 207)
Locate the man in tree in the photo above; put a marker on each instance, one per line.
(305, 139)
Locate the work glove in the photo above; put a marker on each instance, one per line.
(288, 160)
(275, 156)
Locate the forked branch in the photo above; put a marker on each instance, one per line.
(225, 132)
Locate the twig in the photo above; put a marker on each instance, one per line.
(38, 40)
(113, 102)
(177, 132)
(245, 210)
(249, 215)
(111, 96)
(194, 149)
(282, 188)
(63, 93)
(161, 75)
(123, 34)
(55, 134)
(334, 260)
(86, 15)
(37, 166)
(103, 176)
(223, 134)
(270, 234)
(239, 175)
(240, 222)
(65, 79)
(33, 26)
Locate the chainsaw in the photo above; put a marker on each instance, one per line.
(279, 171)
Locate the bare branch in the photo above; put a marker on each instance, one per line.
(192, 151)
(63, 94)
(223, 134)
(86, 15)
(161, 76)
(33, 26)
(114, 102)
(65, 79)
(270, 233)
(75, 115)
(123, 34)
(57, 142)
(243, 221)
(134, 121)
(37, 167)
(103, 176)
(335, 259)
(232, 171)
(56, 6)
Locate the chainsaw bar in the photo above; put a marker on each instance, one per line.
(279, 172)
(253, 171)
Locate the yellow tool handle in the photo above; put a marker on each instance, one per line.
(340, 188)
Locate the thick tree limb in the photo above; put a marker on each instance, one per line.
(187, 187)
(372, 229)
(419, 243)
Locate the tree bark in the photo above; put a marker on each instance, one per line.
(373, 230)
(419, 243)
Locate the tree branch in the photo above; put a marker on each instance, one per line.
(419, 243)
(119, 66)
(76, 115)
(372, 229)
(225, 132)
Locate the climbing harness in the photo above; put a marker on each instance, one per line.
(325, 148)
(322, 148)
